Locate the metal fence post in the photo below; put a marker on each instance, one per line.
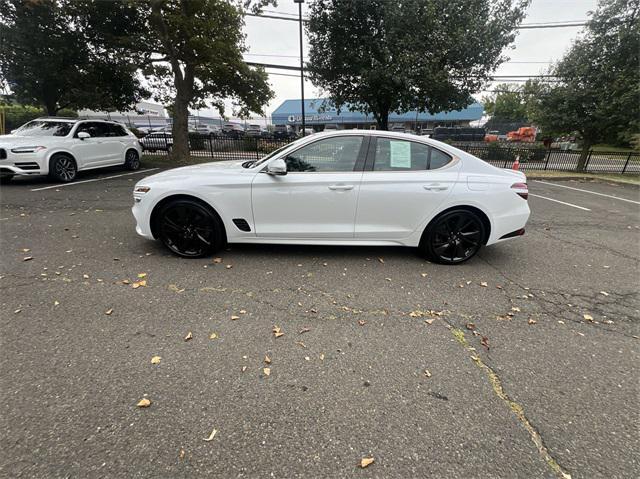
(626, 163)
(586, 163)
(546, 163)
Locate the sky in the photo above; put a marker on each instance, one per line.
(277, 41)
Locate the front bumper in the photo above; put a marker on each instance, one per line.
(22, 163)
(142, 217)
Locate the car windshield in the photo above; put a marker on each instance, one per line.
(44, 128)
(275, 152)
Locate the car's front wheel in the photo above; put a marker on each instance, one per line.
(453, 237)
(62, 168)
(132, 160)
(189, 228)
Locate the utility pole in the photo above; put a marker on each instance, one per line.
(300, 2)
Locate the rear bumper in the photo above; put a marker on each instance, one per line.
(509, 226)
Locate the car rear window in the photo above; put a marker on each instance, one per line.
(402, 155)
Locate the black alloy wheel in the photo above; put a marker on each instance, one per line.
(189, 229)
(132, 160)
(454, 237)
(63, 168)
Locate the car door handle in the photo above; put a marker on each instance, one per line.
(435, 187)
(340, 187)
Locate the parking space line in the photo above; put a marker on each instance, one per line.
(561, 202)
(587, 191)
(94, 179)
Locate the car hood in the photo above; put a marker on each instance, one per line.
(12, 141)
(197, 171)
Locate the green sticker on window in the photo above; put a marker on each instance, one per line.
(400, 154)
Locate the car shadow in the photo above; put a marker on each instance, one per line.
(43, 180)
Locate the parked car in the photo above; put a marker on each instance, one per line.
(60, 147)
(254, 131)
(206, 129)
(307, 132)
(233, 130)
(283, 132)
(158, 140)
(412, 191)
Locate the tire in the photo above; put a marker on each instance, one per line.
(62, 168)
(5, 179)
(453, 237)
(189, 228)
(132, 160)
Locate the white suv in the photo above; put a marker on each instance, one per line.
(60, 147)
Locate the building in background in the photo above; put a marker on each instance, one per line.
(145, 116)
(319, 113)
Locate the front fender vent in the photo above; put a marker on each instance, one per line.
(242, 224)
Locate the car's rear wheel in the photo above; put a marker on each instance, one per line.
(189, 229)
(62, 168)
(454, 237)
(132, 160)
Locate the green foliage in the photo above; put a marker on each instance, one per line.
(507, 104)
(379, 56)
(52, 56)
(599, 96)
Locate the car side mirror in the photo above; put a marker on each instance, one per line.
(277, 167)
(83, 135)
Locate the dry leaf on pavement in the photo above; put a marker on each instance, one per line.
(212, 435)
(155, 360)
(427, 373)
(362, 322)
(217, 260)
(483, 284)
(27, 258)
(267, 360)
(470, 326)
(142, 275)
(381, 260)
(189, 336)
(429, 321)
(588, 317)
(144, 403)
(234, 317)
(532, 321)
(366, 461)
(277, 332)
(266, 371)
(213, 336)
(108, 312)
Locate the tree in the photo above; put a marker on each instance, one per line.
(599, 93)
(193, 57)
(507, 104)
(379, 56)
(49, 57)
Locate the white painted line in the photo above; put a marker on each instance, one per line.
(95, 179)
(561, 202)
(587, 191)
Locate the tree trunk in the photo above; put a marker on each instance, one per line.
(382, 119)
(584, 154)
(51, 107)
(180, 128)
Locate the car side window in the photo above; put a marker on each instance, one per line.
(94, 128)
(400, 155)
(115, 130)
(438, 159)
(328, 155)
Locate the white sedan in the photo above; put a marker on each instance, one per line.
(355, 187)
(60, 147)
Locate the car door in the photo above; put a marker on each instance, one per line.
(93, 151)
(116, 142)
(403, 184)
(317, 198)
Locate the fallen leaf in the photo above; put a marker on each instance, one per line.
(362, 322)
(189, 336)
(381, 260)
(229, 266)
(85, 276)
(175, 288)
(244, 368)
(155, 360)
(429, 321)
(604, 293)
(304, 330)
(217, 260)
(182, 453)
(212, 435)
(424, 275)
(243, 311)
(27, 258)
(322, 357)
(267, 360)
(142, 275)
(470, 326)
(532, 321)
(266, 371)
(213, 336)
(144, 402)
(485, 342)
(498, 287)
(126, 281)
(307, 358)
(56, 303)
(588, 317)
(25, 250)
(366, 461)
(427, 373)
(17, 311)
(516, 309)
(484, 284)
(108, 312)
(301, 344)
(233, 318)
(277, 332)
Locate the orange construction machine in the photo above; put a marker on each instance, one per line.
(526, 134)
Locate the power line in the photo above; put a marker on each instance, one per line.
(524, 26)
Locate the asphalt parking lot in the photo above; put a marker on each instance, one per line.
(531, 348)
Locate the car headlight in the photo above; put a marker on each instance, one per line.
(28, 149)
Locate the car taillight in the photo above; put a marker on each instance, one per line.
(521, 189)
